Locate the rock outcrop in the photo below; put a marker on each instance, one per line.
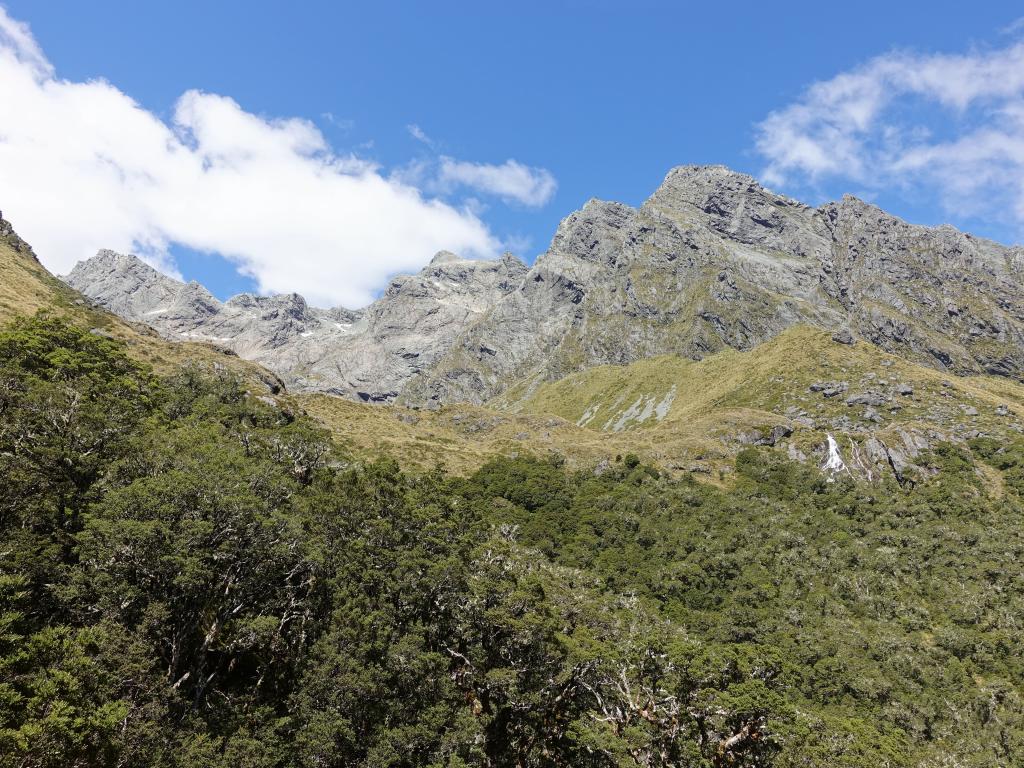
(711, 260)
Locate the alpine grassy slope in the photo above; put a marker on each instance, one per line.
(694, 416)
(27, 287)
(587, 564)
(790, 392)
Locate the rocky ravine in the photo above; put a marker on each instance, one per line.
(711, 260)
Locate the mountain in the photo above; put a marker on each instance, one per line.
(711, 261)
(370, 355)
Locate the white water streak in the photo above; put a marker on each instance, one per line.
(834, 463)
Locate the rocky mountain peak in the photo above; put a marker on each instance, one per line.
(129, 287)
(368, 354)
(270, 307)
(714, 189)
(444, 257)
(592, 234)
(105, 256)
(713, 175)
(711, 260)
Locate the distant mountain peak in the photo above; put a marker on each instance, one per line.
(367, 354)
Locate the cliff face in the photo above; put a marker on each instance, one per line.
(711, 260)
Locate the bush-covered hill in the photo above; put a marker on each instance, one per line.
(194, 575)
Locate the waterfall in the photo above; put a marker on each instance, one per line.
(834, 463)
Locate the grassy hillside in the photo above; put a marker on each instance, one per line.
(687, 415)
(459, 437)
(680, 414)
(27, 287)
(677, 410)
(770, 378)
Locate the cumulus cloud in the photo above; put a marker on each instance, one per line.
(510, 181)
(952, 123)
(83, 166)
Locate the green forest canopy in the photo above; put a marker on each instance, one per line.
(191, 575)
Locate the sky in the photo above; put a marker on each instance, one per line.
(322, 147)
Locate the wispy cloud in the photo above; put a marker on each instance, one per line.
(419, 134)
(510, 181)
(949, 122)
(1014, 27)
(343, 124)
(83, 167)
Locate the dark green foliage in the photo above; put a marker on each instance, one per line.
(1008, 459)
(889, 612)
(194, 576)
(68, 402)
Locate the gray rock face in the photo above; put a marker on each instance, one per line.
(714, 260)
(896, 456)
(368, 355)
(711, 260)
(9, 236)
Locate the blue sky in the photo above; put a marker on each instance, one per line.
(604, 97)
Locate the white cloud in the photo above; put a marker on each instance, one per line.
(948, 123)
(419, 134)
(511, 181)
(16, 38)
(82, 166)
